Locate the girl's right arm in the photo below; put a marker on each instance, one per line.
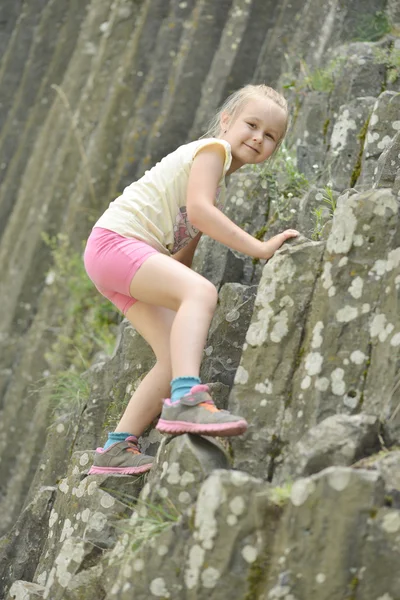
(204, 177)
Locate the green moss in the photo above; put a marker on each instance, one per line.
(325, 129)
(357, 168)
(281, 494)
(372, 27)
(257, 576)
(86, 326)
(353, 585)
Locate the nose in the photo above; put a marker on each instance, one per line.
(257, 136)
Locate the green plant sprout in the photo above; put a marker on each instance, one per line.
(86, 327)
(148, 520)
(320, 214)
(390, 57)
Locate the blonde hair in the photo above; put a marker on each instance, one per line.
(236, 101)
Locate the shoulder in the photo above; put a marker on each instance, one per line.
(214, 151)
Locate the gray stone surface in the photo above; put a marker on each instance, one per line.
(21, 548)
(337, 505)
(347, 142)
(270, 354)
(182, 464)
(230, 531)
(388, 165)
(82, 523)
(24, 590)
(227, 333)
(381, 130)
(339, 440)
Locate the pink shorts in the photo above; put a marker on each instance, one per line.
(111, 262)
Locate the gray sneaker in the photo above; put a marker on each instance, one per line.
(122, 458)
(197, 413)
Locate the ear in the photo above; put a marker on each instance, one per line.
(225, 120)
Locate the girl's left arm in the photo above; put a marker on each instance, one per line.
(185, 256)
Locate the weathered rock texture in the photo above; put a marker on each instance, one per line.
(306, 347)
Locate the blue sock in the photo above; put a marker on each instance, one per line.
(115, 436)
(181, 386)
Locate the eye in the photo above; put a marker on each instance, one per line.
(269, 135)
(252, 125)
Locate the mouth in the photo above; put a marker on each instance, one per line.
(251, 148)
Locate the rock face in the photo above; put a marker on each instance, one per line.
(306, 504)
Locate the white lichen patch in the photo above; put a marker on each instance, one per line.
(395, 341)
(231, 520)
(339, 479)
(347, 314)
(343, 261)
(238, 478)
(60, 428)
(97, 521)
(209, 577)
(351, 401)
(264, 388)
(194, 564)
(343, 125)
(357, 357)
(380, 328)
(184, 498)
(173, 477)
(326, 276)
(301, 490)
(53, 517)
(385, 200)
(138, 565)
(391, 522)
(92, 487)
(163, 492)
(67, 530)
(84, 459)
(210, 497)
(41, 579)
(320, 578)
(106, 500)
(280, 328)
(187, 479)
(249, 553)
(313, 363)
(356, 287)
(162, 550)
(338, 385)
(63, 486)
(322, 384)
(159, 589)
(85, 515)
(305, 382)
(344, 225)
(237, 505)
(241, 376)
(317, 340)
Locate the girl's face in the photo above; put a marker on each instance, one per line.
(255, 132)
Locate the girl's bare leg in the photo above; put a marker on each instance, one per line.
(162, 281)
(154, 325)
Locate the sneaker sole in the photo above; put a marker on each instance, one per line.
(217, 429)
(119, 470)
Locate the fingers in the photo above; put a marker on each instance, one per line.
(290, 233)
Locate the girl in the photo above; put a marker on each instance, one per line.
(139, 256)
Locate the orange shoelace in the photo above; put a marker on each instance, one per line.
(208, 406)
(133, 448)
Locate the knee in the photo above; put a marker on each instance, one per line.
(207, 293)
